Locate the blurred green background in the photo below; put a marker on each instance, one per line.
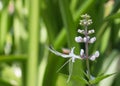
(28, 27)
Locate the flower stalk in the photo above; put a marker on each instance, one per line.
(87, 58)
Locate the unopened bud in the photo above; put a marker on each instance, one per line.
(85, 39)
(90, 22)
(86, 16)
(97, 54)
(80, 31)
(91, 31)
(78, 39)
(92, 40)
(92, 58)
(81, 52)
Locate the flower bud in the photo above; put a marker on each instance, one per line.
(91, 31)
(81, 52)
(86, 21)
(86, 16)
(80, 31)
(85, 39)
(78, 39)
(97, 54)
(92, 40)
(92, 58)
(90, 22)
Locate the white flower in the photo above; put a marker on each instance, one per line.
(85, 39)
(80, 31)
(94, 56)
(70, 55)
(91, 31)
(92, 40)
(81, 52)
(79, 39)
(97, 54)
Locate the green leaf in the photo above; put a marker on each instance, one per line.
(113, 16)
(79, 79)
(100, 78)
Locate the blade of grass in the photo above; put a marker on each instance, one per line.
(19, 28)
(73, 5)
(60, 39)
(32, 60)
(3, 28)
(48, 14)
(100, 78)
(68, 22)
(113, 16)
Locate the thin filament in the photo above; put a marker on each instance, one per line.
(63, 65)
(70, 71)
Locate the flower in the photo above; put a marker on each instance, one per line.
(82, 55)
(91, 31)
(86, 39)
(97, 54)
(81, 31)
(92, 40)
(70, 55)
(82, 52)
(94, 56)
(79, 39)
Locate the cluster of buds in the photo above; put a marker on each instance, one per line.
(86, 20)
(86, 39)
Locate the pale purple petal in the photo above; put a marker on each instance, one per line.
(97, 54)
(81, 52)
(92, 58)
(78, 39)
(92, 40)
